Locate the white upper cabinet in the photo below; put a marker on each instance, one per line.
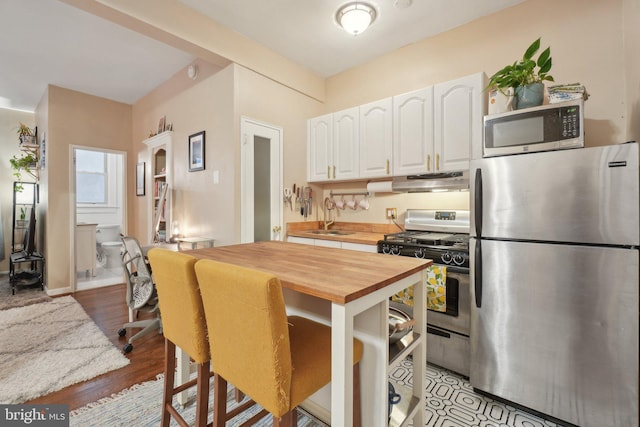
(434, 129)
(319, 148)
(459, 107)
(413, 132)
(346, 141)
(333, 146)
(376, 139)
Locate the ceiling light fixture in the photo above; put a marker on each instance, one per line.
(355, 17)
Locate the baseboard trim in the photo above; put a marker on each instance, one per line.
(58, 291)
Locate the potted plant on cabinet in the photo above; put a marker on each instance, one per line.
(525, 76)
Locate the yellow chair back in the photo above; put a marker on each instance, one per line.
(248, 331)
(181, 307)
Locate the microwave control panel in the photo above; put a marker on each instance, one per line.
(570, 122)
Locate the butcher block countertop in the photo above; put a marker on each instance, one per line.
(336, 275)
(363, 233)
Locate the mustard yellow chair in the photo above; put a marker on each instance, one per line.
(183, 326)
(277, 361)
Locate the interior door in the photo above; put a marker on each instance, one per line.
(261, 183)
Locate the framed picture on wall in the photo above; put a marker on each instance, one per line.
(140, 179)
(196, 152)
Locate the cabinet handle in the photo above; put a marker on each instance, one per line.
(428, 162)
(328, 172)
(437, 162)
(387, 166)
(334, 172)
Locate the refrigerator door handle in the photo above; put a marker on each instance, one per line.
(477, 273)
(478, 203)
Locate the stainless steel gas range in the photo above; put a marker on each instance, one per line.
(442, 236)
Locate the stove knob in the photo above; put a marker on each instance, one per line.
(446, 258)
(395, 250)
(419, 253)
(458, 259)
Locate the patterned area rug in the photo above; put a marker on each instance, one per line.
(25, 295)
(451, 402)
(48, 346)
(141, 404)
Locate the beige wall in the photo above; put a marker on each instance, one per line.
(201, 207)
(9, 147)
(594, 42)
(74, 118)
(215, 103)
(267, 101)
(586, 41)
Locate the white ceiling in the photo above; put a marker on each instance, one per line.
(48, 42)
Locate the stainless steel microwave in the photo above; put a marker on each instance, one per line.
(548, 127)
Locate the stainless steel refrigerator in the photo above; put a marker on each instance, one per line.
(554, 282)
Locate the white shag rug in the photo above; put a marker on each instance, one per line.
(25, 295)
(48, 346)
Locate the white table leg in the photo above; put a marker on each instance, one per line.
(341, 366)
(182, 373)
(420, 353)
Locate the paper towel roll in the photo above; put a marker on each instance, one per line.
(379, 187)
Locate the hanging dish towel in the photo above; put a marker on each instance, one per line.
(436, 290)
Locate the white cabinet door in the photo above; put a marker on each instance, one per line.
(327, 243)
(361, 247)
(413, 132)
(346, 140)
(319, 148)
(303, 240)
(459, 107)
(376, 139)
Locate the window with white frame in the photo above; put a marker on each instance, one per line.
(91, 177)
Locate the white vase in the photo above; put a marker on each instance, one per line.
(501, 100)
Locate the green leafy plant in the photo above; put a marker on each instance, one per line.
(23, 163)
(524, 71)
(24, 130)
(23, 214)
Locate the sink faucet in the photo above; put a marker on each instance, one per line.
(328, 205)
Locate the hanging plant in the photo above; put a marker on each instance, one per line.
(26, 163)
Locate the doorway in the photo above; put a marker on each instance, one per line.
(261, 184)
(98, 202)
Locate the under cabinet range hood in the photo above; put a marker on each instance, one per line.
(441, 181)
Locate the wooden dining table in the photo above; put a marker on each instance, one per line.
(357, 286)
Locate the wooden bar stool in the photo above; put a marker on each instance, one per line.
(277, 361)
(183, 326)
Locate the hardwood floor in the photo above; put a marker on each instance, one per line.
(107, 307)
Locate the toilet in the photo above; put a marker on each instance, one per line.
(109, 244)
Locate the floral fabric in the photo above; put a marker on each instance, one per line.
(436, 290)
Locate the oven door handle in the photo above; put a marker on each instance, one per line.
(477, 272)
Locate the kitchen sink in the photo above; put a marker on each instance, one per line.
(331, 232)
